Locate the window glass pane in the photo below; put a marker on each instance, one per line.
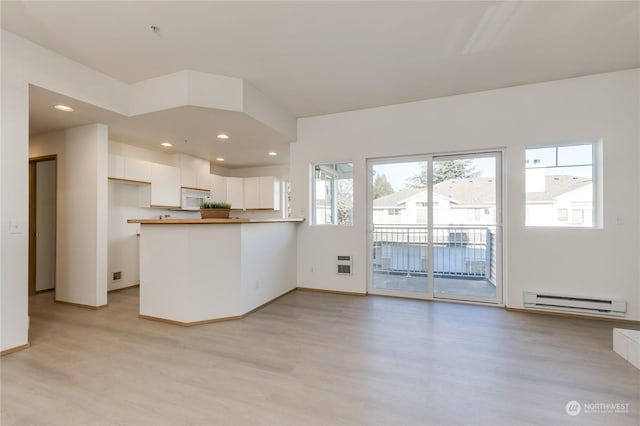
(563, 214)
(333, 194)
(541, 157)
(575, 154)
(560, 195)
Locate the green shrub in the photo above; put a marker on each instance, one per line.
(215, 205)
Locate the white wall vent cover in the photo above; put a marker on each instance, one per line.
(344, 265)
(564, 303)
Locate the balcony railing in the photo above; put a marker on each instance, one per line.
(458, 251)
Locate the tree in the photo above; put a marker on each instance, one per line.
(443, 170)
(344, 201)
(381, 187)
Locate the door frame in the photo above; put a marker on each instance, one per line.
(499, 154)
(32, 222)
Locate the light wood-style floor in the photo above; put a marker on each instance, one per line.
(315, 359)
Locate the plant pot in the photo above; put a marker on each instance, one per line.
(215, 213)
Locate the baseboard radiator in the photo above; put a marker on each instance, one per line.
(585, 305)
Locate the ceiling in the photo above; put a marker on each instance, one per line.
(191, 130)
(315, 58)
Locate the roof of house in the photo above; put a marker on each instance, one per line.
(558, 185)
(481, 191)
(471, 191)
(397, 198)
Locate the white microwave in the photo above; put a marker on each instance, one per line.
(192, 198)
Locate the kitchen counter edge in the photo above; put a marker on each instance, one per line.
(208, 221)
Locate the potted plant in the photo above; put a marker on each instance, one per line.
(215, 210)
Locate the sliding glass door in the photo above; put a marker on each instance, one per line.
(399, 228)
(466, 232)
(434, 227)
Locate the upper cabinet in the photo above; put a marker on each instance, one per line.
(129, 169)
(165, 186)
(262, 193)
(195, 173)
(235, 192)
(218, 188)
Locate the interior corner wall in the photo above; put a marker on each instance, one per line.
(14, 180)
(25, 63)
(82, 221)
(586, 262)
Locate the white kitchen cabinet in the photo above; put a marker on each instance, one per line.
(218, 188)
(137, 170)
(269, 192)
(252, 193)
(262, 193)
(195, 172)
(165, 186)
(129, 169)
(235, 192)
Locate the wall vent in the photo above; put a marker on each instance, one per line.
(344, 265)
(117, 276)
(578, 304)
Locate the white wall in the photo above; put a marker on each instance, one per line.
(45, 224)
(23, 63)
(81, 220)
(268, 262)
(590, 262)
(281, 171)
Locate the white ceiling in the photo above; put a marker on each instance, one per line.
(315, 58)
(191, 130)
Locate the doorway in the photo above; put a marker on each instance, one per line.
(435, 227)
(42, 224)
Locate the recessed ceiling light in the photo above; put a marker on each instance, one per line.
(63, 108)
(219, 159)
(273, 153)
(223, 136)
(167, 144)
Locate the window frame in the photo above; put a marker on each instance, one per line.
(334, 194)
(596, 183)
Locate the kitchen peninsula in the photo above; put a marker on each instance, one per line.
(194, 271)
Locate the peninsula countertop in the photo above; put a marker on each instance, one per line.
(194, 271)
(208, 221)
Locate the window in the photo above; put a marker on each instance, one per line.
(577, 216)
(393, 212)
(563, 214)
(332, 198)
(286, 198)
(557, 178)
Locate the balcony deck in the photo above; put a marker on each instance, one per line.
(443, 286)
